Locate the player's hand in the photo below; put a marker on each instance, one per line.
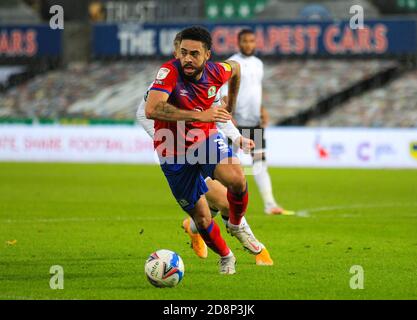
(223, 103)
(246, 144)
(215, 115)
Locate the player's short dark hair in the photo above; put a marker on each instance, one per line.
(177, 40)
(197, 33)
(177, 37)
(243, 32)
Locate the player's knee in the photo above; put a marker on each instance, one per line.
(259, 156)
(239, 186)
(202, 222)
(237, 183)
(258, 167)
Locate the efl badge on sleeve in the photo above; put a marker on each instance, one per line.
(162, 73)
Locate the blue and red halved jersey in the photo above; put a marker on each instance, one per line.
(197, 95)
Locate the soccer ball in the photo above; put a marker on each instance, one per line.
(164, 268)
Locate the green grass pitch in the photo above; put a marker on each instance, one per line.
(100, 223)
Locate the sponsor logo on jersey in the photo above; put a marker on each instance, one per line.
(211, 92)
(162, 73)
(413, 149)
(183, 92)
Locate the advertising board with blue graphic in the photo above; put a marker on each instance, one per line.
(29, 41)
(377, 37)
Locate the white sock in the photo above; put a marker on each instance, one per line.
(193, 226)
(233, 226)
(263, 181)
(229, 255)
(247, 227)
(243, 222)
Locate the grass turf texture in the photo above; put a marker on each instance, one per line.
(100, 223)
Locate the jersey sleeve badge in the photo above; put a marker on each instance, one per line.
(211, 92)
(162, 73)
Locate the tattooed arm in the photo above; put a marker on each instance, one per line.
(158, 108)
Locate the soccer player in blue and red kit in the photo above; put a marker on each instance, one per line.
(188, 144)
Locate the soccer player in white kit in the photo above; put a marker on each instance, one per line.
(251, 117)
(216, 195)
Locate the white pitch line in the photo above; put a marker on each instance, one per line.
(300, 213)
(305, 213)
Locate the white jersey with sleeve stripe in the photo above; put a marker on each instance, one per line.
(147, 124)
(249, 99)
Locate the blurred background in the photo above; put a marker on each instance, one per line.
(337, 96)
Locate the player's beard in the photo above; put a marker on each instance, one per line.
(197, 71)
(248, 54)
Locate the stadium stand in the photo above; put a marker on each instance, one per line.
(7, 73)
(394, 105)
(113, 91)
(315, 10)
(295, 86)
(12, 11)
(90, 91)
